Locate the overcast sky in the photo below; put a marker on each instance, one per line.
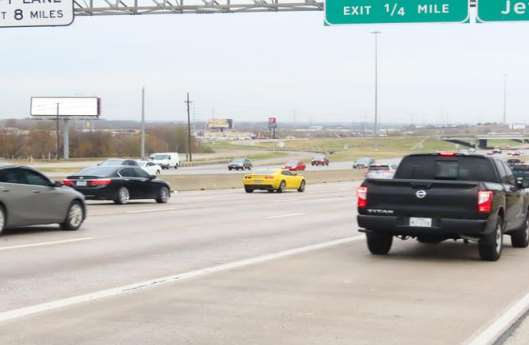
(250, 66)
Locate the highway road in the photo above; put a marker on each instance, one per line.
(226, 267)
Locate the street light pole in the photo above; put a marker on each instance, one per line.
(375, 124)
(143, 123)
(189, 154)
(58, 147)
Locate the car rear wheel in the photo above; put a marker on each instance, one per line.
(123, 196)
(282, 187)
(74, 218)
(491, 246)
(520, 238)
(301, 188)
(2, 219)
(163, 195)
(248, 190)
(379, 244)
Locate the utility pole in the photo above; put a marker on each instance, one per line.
(143, 123)
(57, 133)
(505, 99)
(189, 154)
(375, 124)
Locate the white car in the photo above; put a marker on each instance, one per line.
(166, 160)
(381, 171)
(150, 167)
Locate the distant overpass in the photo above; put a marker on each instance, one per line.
(481, 141)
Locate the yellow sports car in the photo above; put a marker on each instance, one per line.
(273, 180)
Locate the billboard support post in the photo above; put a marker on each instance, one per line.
(66, 139)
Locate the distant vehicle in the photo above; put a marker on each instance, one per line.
(27, 197)
(516, 153)
(119, 184)
(278, 180)
(117, 162)
(521, 173)
(363, 163)
(166, 160)
(513, 161)
(320, 160)
(435, 197)
(240, 164)
(383, 171)
(150, 167)
(496, 151)
(295, 166)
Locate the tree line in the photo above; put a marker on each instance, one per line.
(41, 143)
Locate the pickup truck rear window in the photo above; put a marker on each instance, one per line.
(440, 168)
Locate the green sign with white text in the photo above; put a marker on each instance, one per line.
(395, 11)
(502, 10)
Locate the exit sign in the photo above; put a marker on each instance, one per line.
(502, 10)
(395, 11)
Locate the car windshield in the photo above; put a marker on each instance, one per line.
(100, 171)
(237, 161)
(363, 160)
(112, 162)
(265, 172)
(160, 157)
(292, 163)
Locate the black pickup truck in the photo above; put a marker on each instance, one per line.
(435, 197)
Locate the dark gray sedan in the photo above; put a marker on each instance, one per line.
(27, 197)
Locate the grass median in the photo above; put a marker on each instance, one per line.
(233, 181)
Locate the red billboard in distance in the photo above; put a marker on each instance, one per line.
(272, 122)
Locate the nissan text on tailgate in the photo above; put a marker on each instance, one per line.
(441, 196)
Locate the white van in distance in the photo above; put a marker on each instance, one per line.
(166, 160)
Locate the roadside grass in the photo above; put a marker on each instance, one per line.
(344, 149)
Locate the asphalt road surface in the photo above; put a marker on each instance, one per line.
(226, 267)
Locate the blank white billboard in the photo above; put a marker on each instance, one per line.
(65, 106)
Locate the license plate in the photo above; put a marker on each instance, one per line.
(81, 183)
(421, 222)
(258, 181)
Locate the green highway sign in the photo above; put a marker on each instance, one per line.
(395, 11)
(502, 10)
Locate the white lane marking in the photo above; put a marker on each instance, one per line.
(151, 210)
(39, 308)
(42, 244)
(286, 215)
(492, 333)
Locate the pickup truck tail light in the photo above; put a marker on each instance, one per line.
(361, 194)
(485, 201)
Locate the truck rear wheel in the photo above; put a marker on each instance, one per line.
(491, 246)
(520, 238)
(379, 244)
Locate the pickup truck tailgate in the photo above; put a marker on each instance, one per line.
(427, 198)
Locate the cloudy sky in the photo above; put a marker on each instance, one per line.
(250, 66)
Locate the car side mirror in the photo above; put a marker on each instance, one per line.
(57, 184)
(152, 177)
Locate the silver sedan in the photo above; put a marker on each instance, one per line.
(29, 198)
